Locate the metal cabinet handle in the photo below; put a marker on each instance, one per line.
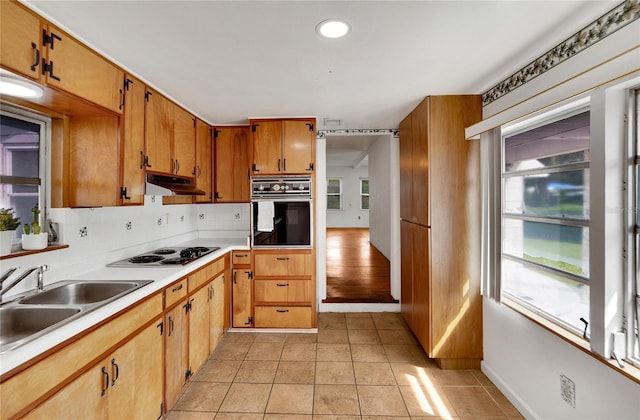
(116, 373)
(177, 288)
(235, 277)
(279, 165)
(105, 376)
(170, 327)
(282, 310)
(282, 258)
(36, 61)
(282, 285)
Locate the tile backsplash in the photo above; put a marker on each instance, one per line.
(97, 236)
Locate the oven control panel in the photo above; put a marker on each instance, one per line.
(291, 186)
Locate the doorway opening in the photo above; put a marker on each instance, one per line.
(357, 272)
(359, 204)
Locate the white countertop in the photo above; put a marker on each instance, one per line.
(160, 276)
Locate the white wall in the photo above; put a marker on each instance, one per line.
(97, 236)
(350, 215)
(524, 360)
(380, 195)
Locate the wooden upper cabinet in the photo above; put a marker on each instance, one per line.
(40, 51)
(298, 146)
(76, 69)
(232, 164)
(283, 146)
(420, 153)
(93, 167)
(184, 142)
(132, 143)
(406, 169)
(20, 40)
(204, 162)
(267, 147)
(159, 125)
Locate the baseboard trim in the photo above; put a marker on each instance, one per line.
(506, 390)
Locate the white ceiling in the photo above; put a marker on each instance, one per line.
(229, 60)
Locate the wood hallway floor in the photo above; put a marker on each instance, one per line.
(356, 271)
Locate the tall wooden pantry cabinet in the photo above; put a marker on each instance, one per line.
(440, 229)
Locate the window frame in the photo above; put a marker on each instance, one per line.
(525, 124)
(339, 194)
(362, 194)
(44, 122)
(632, 276)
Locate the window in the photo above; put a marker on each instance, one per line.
(633, 310)
(545, 217)
(334, 194)
(364, 194)
(22, 154)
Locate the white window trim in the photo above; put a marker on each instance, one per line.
(363, 194)
(340, 194)
(45, 146)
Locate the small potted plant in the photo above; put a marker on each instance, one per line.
(33, 237)
(8, 225)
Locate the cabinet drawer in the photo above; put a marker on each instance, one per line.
(175, 292)
(283, 291)
(241, 258)
(205, 274)
(283, 317)
(283, 264)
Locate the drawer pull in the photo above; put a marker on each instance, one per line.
(177, 288)
(282, 310)
(105, 376)
(282, 285)
(242, 255)
(282, 258)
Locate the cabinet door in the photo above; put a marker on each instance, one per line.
(420, 153)
(82, 72)
(204, 162)
(216, 322)
(298, 146)
(232, 164)
(241, 298)
(406, 169)
(93, 163)
(134, 367)
(176, 353)
(199, 328)
(184, 142)
(93, 386)
(267, 147)
(20, 40)
(406, 272)
(421, 286)
(158, 117)
(132, 149)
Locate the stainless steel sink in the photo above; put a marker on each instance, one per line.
(39, 312)
(18, 322)
(81, 293)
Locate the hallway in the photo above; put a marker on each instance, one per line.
(356, 271)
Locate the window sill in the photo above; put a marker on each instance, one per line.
(22, 253)
(630, 371)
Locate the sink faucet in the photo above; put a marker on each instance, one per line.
(8, 274)
(40, 281)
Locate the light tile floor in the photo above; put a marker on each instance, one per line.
(358, 366)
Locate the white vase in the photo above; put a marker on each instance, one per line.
(6, 237)
(31, 242)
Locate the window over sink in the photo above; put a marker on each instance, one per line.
(23, 168)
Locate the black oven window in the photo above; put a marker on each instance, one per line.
(291, 225)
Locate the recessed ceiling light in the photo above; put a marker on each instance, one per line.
(19, 88)
(333, 28)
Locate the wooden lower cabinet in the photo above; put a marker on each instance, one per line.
(176, 353)
(112, 388)
(216, 311)
(284, 288)
(283, 317)
(242, 297)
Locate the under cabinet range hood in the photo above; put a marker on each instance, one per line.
(162, 184)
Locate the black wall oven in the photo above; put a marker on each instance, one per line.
(281, 212)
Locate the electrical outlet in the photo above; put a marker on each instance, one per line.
(568, 390)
